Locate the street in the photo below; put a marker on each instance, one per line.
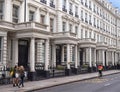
(109, 83)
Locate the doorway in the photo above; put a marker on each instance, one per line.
(23, 53)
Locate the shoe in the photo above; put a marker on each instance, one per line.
(18, 86)
(13, 85)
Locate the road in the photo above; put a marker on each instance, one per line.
(109, 83)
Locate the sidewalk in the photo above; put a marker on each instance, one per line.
(32, 85)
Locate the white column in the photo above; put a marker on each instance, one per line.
(7, 13)
(67, 5)
(46, 54)
(90, 58)
(27, 11)
(15, 52)
(68, 56)
(59, 23)
(76, 56)
(4, 59)
(37, 15)
(21, 12)
(113, 58)
(32, 55)
(47, 21)
(59, 4)
(54, 54)
(63, 53)
(107, 58)
(95, 57)
(103, 57)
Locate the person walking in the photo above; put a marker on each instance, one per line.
(100, 68)
(13, 74)
(22, 75)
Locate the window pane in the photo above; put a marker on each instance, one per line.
(31, 15)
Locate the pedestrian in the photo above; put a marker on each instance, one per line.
(13, 74)
(100, 68)
(22, 75)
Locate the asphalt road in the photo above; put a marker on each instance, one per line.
(109, 83)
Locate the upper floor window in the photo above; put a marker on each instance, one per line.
(90, 19)
(52, 3)
(81, 1)
(15, 13)
(42, 17)
(31, 16)
(64, 6)
(94, 8)
(63, 26)
(43, 1)
(70, 27)
(86, 3)
(51, 25)
(76, 11)
(86, 17)
(70, 8)
(76, 29)
(82, 15)
(90, 5)
(81, 33)
(1, 10)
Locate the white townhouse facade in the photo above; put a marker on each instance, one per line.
(58, 32)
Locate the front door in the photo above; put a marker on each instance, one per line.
(58, 55)
(23, 53)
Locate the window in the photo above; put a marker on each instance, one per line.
(90, 20)
(70, 8)
(86, 3)
(94, 8)
(0, 49)
(90, 5)
(86, 18)
(15, 13)
(64, 6)
(63, 26)
(81, 33)
(51, 24)
(76, 11)
(90, 35)
(1, 10)
(82, 15)
(70, 27)
(52, 3)
(42, 17)
(43, 1)
(76, 29)
(86, 34)
(31, 15)
(94, 22)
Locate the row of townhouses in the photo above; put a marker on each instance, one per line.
(44, 34)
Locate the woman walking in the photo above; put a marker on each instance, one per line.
(22, 75)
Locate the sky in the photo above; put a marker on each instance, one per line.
(115, 3)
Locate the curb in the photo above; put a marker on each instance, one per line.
(40, 88)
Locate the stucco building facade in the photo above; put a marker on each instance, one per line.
(49, 33)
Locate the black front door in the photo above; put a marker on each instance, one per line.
(58, 55)
(23, 53)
